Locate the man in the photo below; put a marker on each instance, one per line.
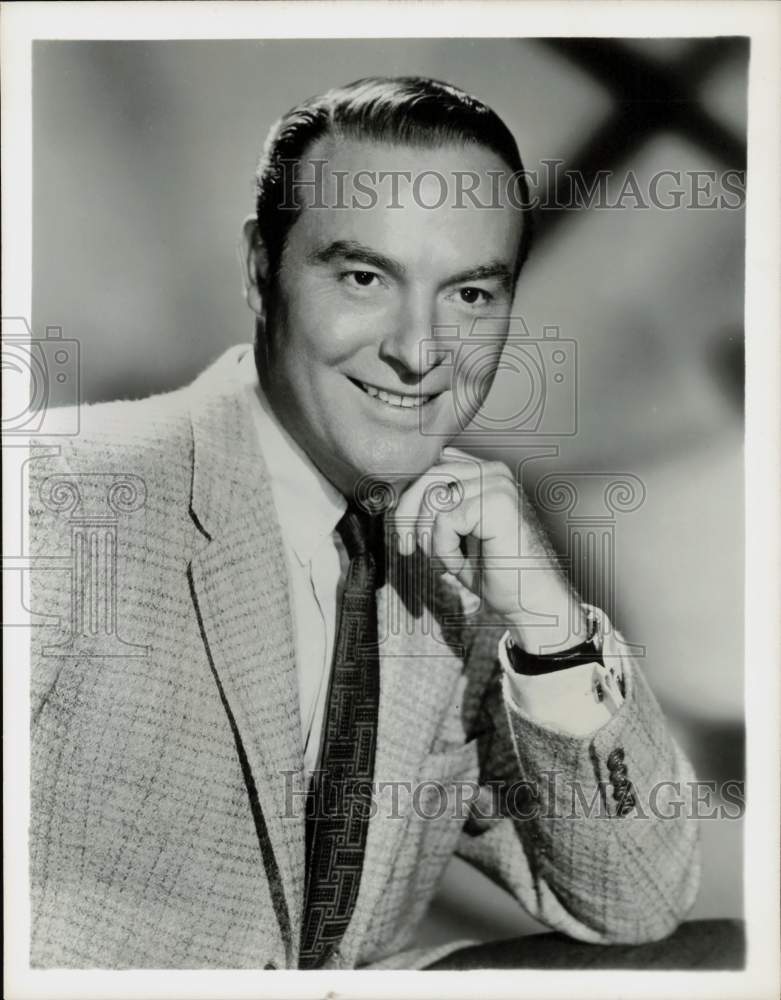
(323, 671)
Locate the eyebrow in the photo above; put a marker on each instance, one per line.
(497, 270)
(352, 250)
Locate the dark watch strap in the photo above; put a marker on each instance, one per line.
(529, 665)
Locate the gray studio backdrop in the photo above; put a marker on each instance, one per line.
(143, 161)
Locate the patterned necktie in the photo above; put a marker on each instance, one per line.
(340, 795)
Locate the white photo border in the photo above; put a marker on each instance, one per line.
(761, 22)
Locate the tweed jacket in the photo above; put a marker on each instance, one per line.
(167, 824)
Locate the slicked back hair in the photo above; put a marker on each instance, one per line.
(410, 110)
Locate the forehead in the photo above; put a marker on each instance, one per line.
(447, 205)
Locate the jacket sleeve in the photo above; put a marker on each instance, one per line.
(589, 833)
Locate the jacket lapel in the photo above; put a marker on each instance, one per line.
(239, 583)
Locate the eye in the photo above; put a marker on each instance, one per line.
(472, 296)
(360, 279)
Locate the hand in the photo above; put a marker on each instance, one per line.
(469, 516)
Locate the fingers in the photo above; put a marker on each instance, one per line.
(446, 504)
(439, 490)
(450, 528)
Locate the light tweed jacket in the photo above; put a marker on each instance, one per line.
(167, 826)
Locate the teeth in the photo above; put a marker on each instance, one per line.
(393, 399)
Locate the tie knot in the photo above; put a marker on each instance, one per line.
(361, 532)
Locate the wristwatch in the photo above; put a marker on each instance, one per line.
(588, 651)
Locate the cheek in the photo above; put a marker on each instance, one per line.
(474, 376)
(321, 330)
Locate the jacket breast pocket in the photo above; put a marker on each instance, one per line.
(446, 782)
(444, 786)
(451, 763)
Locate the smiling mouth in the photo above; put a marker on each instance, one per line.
(398, 400)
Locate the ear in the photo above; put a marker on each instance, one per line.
(254, 266)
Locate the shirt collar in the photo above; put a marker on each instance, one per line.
(308, 505)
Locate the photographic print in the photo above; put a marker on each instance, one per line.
(382, 474)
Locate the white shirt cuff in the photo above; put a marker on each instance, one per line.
(577, 700)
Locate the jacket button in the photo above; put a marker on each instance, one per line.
(269, 965)
(619, 789)
(615, 758)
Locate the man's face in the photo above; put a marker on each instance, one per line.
(360, 291)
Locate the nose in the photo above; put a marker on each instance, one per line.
(409, 346)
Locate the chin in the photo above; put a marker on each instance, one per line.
(384, 480)
(402, 459)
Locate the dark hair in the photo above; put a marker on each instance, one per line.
(409, 110)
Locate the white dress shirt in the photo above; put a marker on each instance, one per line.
(309, 507)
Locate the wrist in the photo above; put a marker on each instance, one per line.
(587, 651)
(567, 626)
